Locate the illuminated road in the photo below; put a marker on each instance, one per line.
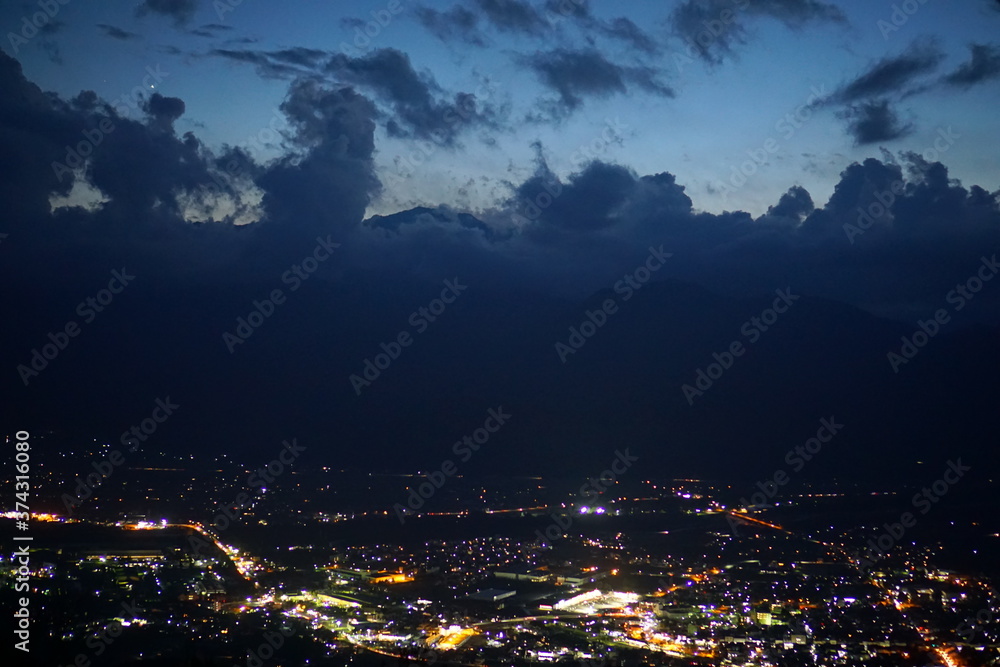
(750, 519)
(242, 565)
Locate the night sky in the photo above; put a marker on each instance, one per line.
(535, 153)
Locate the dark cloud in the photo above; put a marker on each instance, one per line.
(936, 219)
(164, 111)
(416, 107)
(568, 235)
(283, 64)
(983, 65)
(211, 30)
(575, 75)
(712, 28)
(144, 174)
(117, 33)
(796, 204)
(52, 51)
(51, 28)
(300, 56)
(575, 9)
(870, 114)
(34, 134)
(621, 29)
(797, 12)
(181, 11)
(874, 121)
(49, 45)
(413, 97)
(150, 180)
(608, 212)
(455, 24)
(462, 23)
(701, 26)
(574, 234)
(891, 74)
(332, 185)
(513, 16)
(592, 201)
(625, 30)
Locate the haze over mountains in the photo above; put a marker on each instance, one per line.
(497, 347)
